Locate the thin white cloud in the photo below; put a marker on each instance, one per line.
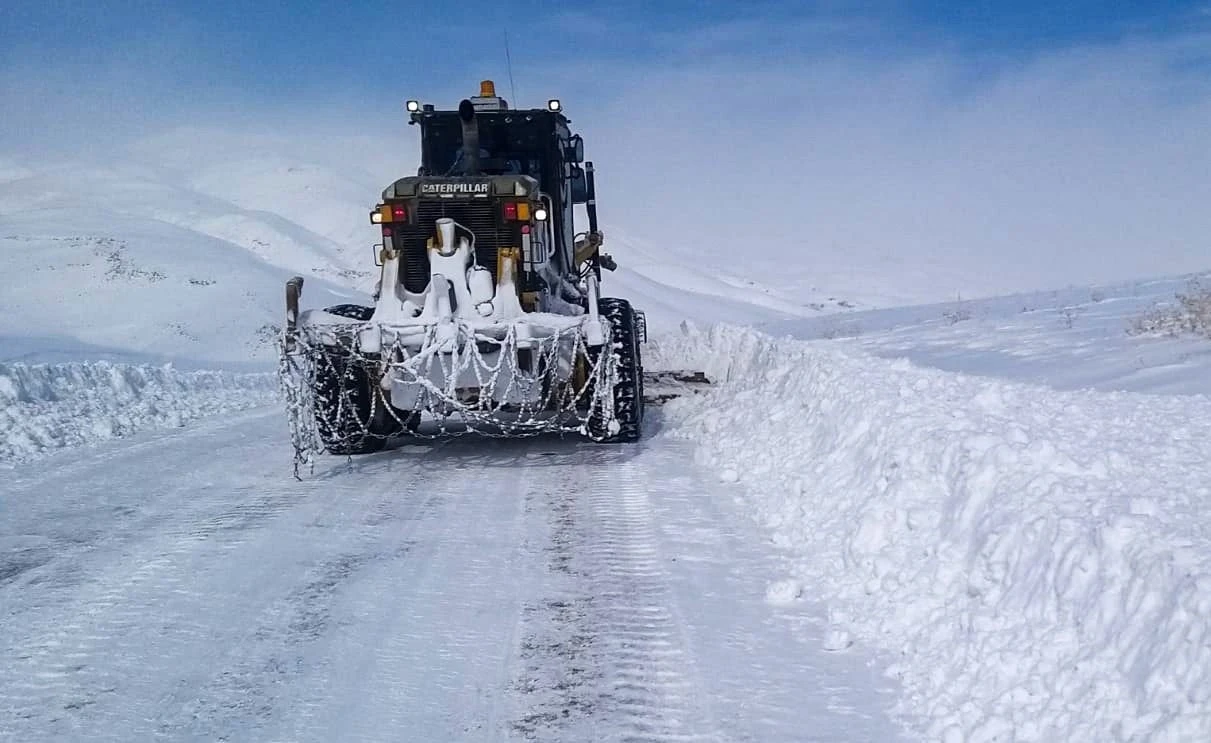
(1083, 165)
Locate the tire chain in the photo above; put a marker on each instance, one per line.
(561, 408)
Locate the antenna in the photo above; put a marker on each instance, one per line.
(509, 62)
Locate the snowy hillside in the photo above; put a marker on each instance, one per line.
(180, 254)
(670, 278)
(320, 191)
(112, 287)
(124, 262)
(1126, 336)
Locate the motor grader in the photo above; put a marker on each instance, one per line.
(488, 315)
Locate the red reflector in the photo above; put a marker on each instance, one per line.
(510, 210)
(399, 212)
(386, 231)
(525, 229)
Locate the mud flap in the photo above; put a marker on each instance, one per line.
(294, 290)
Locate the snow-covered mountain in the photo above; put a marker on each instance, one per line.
(138, 262)
(180, 251)
(198, 222)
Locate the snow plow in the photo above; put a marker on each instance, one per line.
(488, 316)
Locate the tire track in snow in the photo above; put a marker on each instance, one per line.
(264, 674)
(76, 633)
(556, 678)
(771, 680)
(155, 604)
(650, 676)
(426, 638)
(474, 590)
(604, 655)
(64, 514)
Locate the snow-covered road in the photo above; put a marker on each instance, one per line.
(183, 586)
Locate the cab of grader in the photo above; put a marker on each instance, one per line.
(488, 314)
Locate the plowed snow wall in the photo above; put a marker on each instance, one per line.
(1036, 564)
(44, 407)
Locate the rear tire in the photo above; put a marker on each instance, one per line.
(628, 392)
(351, 416)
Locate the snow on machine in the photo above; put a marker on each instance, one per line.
(488, 316)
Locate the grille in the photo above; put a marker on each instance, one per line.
(479, 216)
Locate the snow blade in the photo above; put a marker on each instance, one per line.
(661, 386)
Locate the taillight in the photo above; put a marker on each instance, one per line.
(386, 213)
(517, 210)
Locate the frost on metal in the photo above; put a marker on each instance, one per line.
(456, 377)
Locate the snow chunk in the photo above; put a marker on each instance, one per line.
(837, 639)
(784, 592)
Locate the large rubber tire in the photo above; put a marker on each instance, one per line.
(349, 419)
(628, 392)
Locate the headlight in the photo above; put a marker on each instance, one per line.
(376, 217)
(554, 105)
(540, 214)
(413, 106)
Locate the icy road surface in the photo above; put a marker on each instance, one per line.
(184, 586)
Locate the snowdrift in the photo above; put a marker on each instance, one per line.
(1036, 563)
(47, 406)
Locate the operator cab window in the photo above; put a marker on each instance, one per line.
(505, 148)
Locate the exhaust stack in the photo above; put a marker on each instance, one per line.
(466, 113)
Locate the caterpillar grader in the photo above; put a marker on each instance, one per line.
(488, 316)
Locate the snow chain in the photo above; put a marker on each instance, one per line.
(563, 404)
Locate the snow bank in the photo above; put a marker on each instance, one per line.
(1037, 563)
(47, 406)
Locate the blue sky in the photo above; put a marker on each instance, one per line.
(218, 49)
(74, 69)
